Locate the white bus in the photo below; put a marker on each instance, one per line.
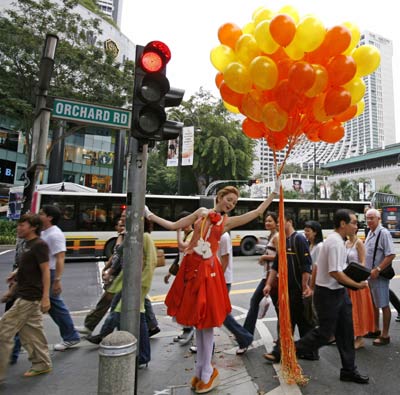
(88, 219)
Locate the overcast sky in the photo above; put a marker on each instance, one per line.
(190, 30)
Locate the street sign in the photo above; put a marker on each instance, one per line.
(93, 114)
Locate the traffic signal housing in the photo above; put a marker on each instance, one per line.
(152, 94)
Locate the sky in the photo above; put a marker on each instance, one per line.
(190, 29)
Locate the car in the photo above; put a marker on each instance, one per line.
(261, 245)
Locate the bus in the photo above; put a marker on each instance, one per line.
(391, 219)
(88, 219)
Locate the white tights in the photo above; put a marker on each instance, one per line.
(205, 344)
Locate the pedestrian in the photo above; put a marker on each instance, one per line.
(380, 253)
(332, 301)
(271, 224)
(243, 337)
(198, 297)
(183, 242)
(363, 309)
(59, 312)
(313, 234)
(299, 267)
(31, 300)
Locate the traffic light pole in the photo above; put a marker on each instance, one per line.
(133, 244)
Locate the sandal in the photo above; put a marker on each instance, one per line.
(381, 341)
(271, 358)
(33, 372)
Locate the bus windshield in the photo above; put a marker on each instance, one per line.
(391, 219)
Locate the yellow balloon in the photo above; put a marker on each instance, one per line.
(291, 11)
(264, 39)
(318, 109)
(293, 50)
(357, 88)
(264, 72)
(274, 117)
(367, 58)
(262, 14)
(249, 28)
(360, 108)
(310, 33)
(237, 77)
(321, 81)
(246, 48)
(221, 56)
(231, 108)
(355, 37)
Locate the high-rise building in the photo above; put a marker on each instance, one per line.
(374, 128)
(112, 8)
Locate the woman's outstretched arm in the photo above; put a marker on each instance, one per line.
(182, 223)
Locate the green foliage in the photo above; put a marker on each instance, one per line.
(82, 69)
(8, 232)
(345, 190)
(386, 189)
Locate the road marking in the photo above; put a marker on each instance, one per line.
(5, 252)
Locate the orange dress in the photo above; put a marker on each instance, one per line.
(198, 296)
(363, 311)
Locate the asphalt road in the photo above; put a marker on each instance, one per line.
(81, 290)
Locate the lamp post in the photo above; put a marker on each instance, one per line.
(196, 129)
(40, 130)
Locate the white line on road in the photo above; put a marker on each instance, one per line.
(5, 252)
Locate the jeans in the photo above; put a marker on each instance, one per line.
(252, 314)
(242, 335)
(97, 314)
(149, 313)
(60, 315)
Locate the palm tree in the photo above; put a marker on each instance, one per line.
(344, 190)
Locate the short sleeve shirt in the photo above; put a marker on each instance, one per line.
(29, 275)
(55, 239)
(332, 258)
(225, 248)
(385, 246)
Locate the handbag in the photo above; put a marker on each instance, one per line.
(357, 273)
(160, 257)
(388, 271)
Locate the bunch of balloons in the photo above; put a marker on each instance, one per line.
(291, 76)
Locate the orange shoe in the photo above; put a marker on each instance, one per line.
(202, 388)
(193, 382)
(33, 372)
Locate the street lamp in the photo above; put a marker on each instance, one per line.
(188, 122)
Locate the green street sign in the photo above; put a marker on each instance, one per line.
(80, 112)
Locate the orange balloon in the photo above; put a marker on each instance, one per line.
(229, 33)
(251, 105)
(284, 66)
(320, 83)
(313, 134)
(282, 29)
(285, 97)
(346, 115)
(230, 96)
(301, 77)
(318, 109)
(341, 69)
(254, 130)
(219, 79)
(331, 131)
(276, 140)
(337, 100)
(337, 40)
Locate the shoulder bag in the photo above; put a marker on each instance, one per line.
(388, 271)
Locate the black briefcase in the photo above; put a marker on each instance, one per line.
(357, 273)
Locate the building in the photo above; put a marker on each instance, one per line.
(112, 8)
(86, 157)
(372, 170)
(373, 129)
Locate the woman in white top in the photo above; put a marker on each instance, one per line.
(271, 224)
(313, 234)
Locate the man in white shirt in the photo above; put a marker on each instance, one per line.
(59, 312)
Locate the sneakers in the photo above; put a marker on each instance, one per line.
(83, 330)
(202, 387)
(193, 349)
(185, 337)
(32, 372)
(96, 339)
(64, 345)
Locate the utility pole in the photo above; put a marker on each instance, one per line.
(40, 131)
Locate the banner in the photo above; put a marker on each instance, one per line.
(187, 148)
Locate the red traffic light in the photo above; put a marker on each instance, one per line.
(155, 56)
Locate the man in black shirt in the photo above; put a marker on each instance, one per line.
(31, 300)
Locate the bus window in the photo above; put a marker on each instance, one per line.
(68, 219)
(304, 215)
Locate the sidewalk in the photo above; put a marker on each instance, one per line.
(169, 372)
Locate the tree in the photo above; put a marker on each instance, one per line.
(82, 70)
(221, 151)
(386, 189)
(344, 190)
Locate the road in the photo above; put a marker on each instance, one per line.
(81, 289)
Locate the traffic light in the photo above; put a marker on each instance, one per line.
(152, 94)
(251, 182)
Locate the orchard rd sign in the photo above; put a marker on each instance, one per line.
(81, 112)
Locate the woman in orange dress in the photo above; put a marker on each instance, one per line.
(198, 297)
(363, 310)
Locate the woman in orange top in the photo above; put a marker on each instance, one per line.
(198, 297)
